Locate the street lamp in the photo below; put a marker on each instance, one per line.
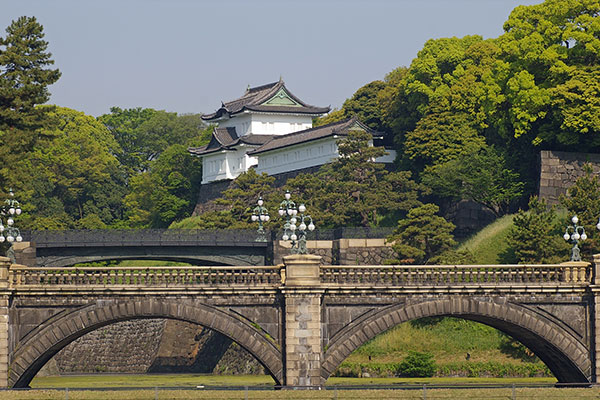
(575, 233)
(260, 214)
(295, 225)
(9, 232)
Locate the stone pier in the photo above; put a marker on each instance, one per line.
(303, 352)
(4, 322)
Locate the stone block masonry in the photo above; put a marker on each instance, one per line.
(559, 170)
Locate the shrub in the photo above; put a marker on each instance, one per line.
(417, 365)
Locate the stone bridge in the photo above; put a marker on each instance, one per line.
(301, 319)
(204, 247)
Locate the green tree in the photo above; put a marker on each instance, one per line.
(166, 192)
(364, 104)
(417, 365)
(441, 137)
(535, 236)
(422, 235)
(75, 174)
(583, 200)
(482, 177)
(24, 81)
(124, 125)
(236, 204)
(144, 133)
(353, 190)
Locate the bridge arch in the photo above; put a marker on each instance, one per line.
(44, 342)
(564, 354)
(206, 260)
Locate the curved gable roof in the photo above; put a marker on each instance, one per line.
(258, 99)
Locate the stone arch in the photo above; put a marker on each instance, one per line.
(207, 260)
(44, 342)
(564, 354)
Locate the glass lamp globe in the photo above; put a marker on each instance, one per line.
(598, 226)
(10, 221)
(294, 211)
(567, 236)
(302, 226)
(19, 238)
(311, 227)
(254, 218)
(267, 218)
(293, 220)
(11, 210)
(293, 237)
(575, 236)
(2, 239)
(575, 219)
(285, 237)
(302, 208)
(282, 211)
(292, 227)
(583, 236)
(287, 195)
(10, 239)
(18, 211)
(260, 201)
(1, 227)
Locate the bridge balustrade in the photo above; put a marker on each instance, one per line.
(145, 276)
(448, 275)
(380, 275)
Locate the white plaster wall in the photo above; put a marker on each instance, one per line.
(266, 124)
(297, 157)
(214, 167)
(306, 155)
(387, 158)
(241, 123)
(227, 165)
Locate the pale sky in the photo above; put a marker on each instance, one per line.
(188, 55)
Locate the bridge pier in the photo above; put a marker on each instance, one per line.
(595, 288)
(303, 353)
(4, 322)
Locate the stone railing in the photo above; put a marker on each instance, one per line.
(144, 276)
(460, 275)
(302, 270)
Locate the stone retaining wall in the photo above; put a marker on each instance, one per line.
(559, 170)
(341, 251)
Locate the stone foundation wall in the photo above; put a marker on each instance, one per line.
(559, 170)
(341, 251)
(155, 346)
(129, 346)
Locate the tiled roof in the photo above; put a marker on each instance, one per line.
(339, 128)
(254, 98)
(226, 138)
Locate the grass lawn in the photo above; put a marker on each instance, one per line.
(194, 380)
(232, 387)
(490, 243)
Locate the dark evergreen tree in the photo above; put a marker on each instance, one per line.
(24, 79)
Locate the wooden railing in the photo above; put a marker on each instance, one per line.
(145, 276)
(448, 275)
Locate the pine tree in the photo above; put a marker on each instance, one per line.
(24, 81)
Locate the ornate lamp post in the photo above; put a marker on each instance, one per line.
(295, 225)
(8, 231)
(261, 215)
(576, 233)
